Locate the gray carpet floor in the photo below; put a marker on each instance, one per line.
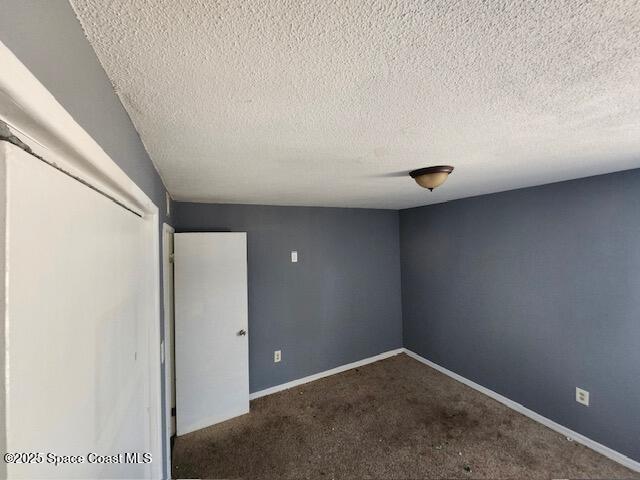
(396, 418)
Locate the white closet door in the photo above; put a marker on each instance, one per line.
(212, 365)
(78, 324)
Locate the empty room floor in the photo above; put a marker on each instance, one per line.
(395, 418)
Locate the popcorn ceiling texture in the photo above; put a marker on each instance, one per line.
(327, 103)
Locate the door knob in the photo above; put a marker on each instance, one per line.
(242, 332)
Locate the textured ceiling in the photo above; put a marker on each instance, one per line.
(324, 102)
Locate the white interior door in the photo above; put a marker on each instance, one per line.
(79, 320)
(211, 317)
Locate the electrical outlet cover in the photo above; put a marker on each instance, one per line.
(582, 396)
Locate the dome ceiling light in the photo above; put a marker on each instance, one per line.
(431, 177)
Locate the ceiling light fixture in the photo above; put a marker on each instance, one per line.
(431, 177)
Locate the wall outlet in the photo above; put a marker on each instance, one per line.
(582, 396)
(277, 356)
(294, 256)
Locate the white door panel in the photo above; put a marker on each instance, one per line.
(78, 324)
(212, 371)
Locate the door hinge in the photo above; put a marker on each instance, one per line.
(171, 258)
(173, 411)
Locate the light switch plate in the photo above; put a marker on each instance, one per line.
(582, 396)
(294, 256)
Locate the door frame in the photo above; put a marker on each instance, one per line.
(37, 119)
(169, 319)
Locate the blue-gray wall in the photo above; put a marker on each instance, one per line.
(47, 37)
(533, 292)
(340, 303)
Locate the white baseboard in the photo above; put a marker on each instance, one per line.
(326, 373)
(592, 444)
